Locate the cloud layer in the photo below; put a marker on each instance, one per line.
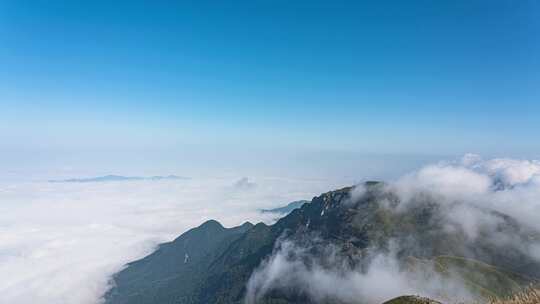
(59, 243)
(506, 185)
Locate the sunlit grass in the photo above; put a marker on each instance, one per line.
(529, 296)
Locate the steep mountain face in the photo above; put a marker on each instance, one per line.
(176, 270)
(212, 264)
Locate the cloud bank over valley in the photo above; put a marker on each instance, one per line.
(61, 242)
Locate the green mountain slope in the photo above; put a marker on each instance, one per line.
(212, 264)
(175, 271)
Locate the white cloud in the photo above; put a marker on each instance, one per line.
(59, 243)
(506, 185)
(509, 172)
(448, 181)
(329, 277)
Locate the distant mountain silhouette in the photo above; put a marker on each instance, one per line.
(117, 178)
(286, 209)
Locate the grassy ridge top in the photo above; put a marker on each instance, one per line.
(527, 296)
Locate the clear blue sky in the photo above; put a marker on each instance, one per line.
(385, 77)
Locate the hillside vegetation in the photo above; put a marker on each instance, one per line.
(527, 296)
(213, 264)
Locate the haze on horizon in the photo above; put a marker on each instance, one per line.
(141, 88)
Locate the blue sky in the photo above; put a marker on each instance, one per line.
(175, 82)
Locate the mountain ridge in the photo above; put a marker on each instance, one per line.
(335, 219)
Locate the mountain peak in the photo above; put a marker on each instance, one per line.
(211, 224)
(246, 225)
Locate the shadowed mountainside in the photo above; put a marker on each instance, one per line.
(212, 264)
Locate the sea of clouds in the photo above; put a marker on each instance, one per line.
(61, 242)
